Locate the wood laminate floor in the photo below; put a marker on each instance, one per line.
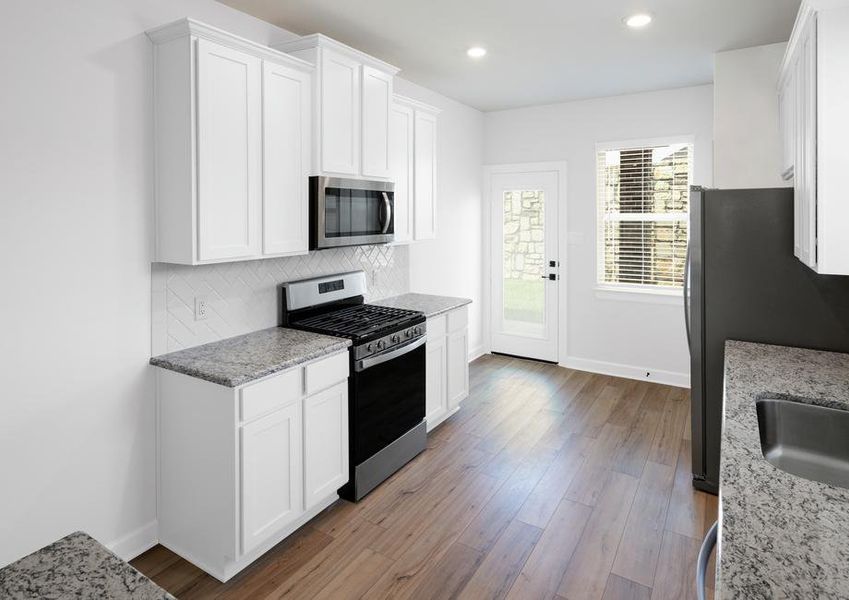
(548, 484)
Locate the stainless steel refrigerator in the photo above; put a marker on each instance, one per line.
(745, 284)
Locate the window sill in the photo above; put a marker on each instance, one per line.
(672, 297)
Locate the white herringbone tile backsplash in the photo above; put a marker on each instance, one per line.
(242, 296)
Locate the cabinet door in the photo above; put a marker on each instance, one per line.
(458, 367)
(340, 114)
(425, 176)
(325, 443)
(436, 393)
(229, 142)
(401, 162)
(271, 464)
(787, 120)
(286, 122)
(377, 104)
(805, 170)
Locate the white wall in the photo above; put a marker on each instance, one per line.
(747, 141)
(609, 332)
(451, 264)
(76, 182)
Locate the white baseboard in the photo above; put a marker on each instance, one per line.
(134, 543)
(628, 371)
(476, 353)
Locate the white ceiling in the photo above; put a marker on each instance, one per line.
(540, 51)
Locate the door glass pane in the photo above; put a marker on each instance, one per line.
(524, 256)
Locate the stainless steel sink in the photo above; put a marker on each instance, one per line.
(805, 439)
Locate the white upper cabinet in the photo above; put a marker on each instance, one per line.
(229, 133)
(377, 103)
(413, 166)
(340, 106)
(287, 104)
(232, 147)
(352, 100)
(425, 175)
(401, 167)
(813, 92)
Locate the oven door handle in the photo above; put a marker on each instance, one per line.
(387, 205)
(367, 363)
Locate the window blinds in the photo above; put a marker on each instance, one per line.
(643, 201)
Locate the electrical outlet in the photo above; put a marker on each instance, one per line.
(201, 308)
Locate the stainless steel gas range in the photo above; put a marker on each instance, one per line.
(386, 389)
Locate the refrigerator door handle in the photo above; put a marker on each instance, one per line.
(687, 299)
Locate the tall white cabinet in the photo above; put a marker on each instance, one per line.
(413, 167)
(232, 139)
(813, 93)
(352, 98)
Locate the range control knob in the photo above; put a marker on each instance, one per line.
(381, 344)
(418, 330)
(396, 338)
(369, 348)
(408, 333)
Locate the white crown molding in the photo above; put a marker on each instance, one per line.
(189, 27)
(319, 40)
(407, 101)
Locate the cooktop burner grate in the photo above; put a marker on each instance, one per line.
(359, 321)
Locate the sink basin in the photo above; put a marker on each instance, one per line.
(805, 440)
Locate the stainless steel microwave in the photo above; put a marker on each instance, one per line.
(350, 212)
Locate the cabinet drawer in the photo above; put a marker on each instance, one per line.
(436, 327)
(458, 319)
(265, 396)
(324, 373)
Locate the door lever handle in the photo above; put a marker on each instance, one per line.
(550, 276)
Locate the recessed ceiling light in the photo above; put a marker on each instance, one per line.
(476, 52)
(638, 20)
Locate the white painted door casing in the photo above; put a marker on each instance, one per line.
(287, 108)
(326, 443)
(229, 134)
(271, 462)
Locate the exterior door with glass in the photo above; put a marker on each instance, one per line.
(525, 261)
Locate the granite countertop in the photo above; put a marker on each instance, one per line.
(239, 360)
(428, 304)
(76, 566)
(781, 536)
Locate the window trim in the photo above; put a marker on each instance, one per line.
(606, 289)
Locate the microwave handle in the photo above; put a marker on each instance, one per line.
(387, 205)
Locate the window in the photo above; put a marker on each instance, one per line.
(643, 194)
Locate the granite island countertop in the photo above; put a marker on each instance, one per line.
(429, 304)
(781, 536)
(77, 566)
(239, 360)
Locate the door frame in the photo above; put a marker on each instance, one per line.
(562, 248)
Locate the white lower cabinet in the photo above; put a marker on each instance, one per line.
(436, 393)
(326, 443)
(271, 474)
(447, 365)
(242, 468)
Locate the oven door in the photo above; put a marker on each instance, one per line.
(351, 212)
(387, 398)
